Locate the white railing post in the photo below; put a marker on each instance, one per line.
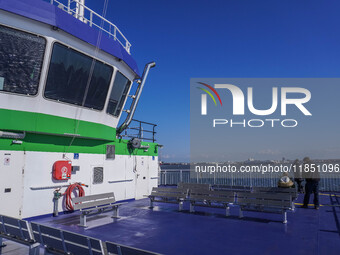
(127, 46)
(91, 18)
(69, 6)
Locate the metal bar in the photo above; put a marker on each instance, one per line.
(20, 229)
(3, 224)
(40, 235)
(133, 128)
(89, 245)
(134, 104)
(144, 122)
(91, 18)
(63, 241)
(68, 6)
(131, 136)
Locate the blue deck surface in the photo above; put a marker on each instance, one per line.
(208, 231)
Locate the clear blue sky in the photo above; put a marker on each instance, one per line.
(194, 39)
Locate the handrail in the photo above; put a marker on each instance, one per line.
(81, 16)
(136, 97)
(141, 130)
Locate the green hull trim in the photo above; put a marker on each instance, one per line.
(43, 123)
(48, 133)
(51, 143)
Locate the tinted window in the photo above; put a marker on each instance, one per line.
(69, 75)
(21, 58)
(118, 95)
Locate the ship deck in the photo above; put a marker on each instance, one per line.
(208, 231)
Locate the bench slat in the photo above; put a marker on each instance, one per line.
(169, 190)
(102, 207)
(212, 199)
(94, 203)
(164, 195)
(213, 192)
(268, 203)
(161, 193)
(273, 196)
(193, 186)
(93, 197)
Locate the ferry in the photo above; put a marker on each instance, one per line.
(66, 74)
(69, 88)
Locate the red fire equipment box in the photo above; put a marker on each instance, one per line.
(62, 170)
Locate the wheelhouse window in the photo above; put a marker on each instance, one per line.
(21, 58)
(118, 95)
(77, 79)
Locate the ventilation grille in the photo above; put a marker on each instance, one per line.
(98, 175)
(110, 152)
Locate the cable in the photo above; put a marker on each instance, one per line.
(68, 193)
(79, 110)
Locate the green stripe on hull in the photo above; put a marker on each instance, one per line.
(44, 123)
(48, 133)
(50, 143)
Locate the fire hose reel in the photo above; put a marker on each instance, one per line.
(62, 170)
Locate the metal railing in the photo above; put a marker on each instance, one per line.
(142, 130)
(174, 176)
(87, 15)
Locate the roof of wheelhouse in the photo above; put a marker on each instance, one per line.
(50, 14)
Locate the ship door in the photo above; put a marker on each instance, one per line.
(11, 183)
(142, 177)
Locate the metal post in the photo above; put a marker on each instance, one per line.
(227, 211)
(2, 244)
(69, 6)
(91, 18)
(151, 203)
(180, 206)
(284, 217)
(192, 208)
(140, 130)
(241, 213)
(82, 220)
(34, 249)
(119, 250)
(116, 212)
